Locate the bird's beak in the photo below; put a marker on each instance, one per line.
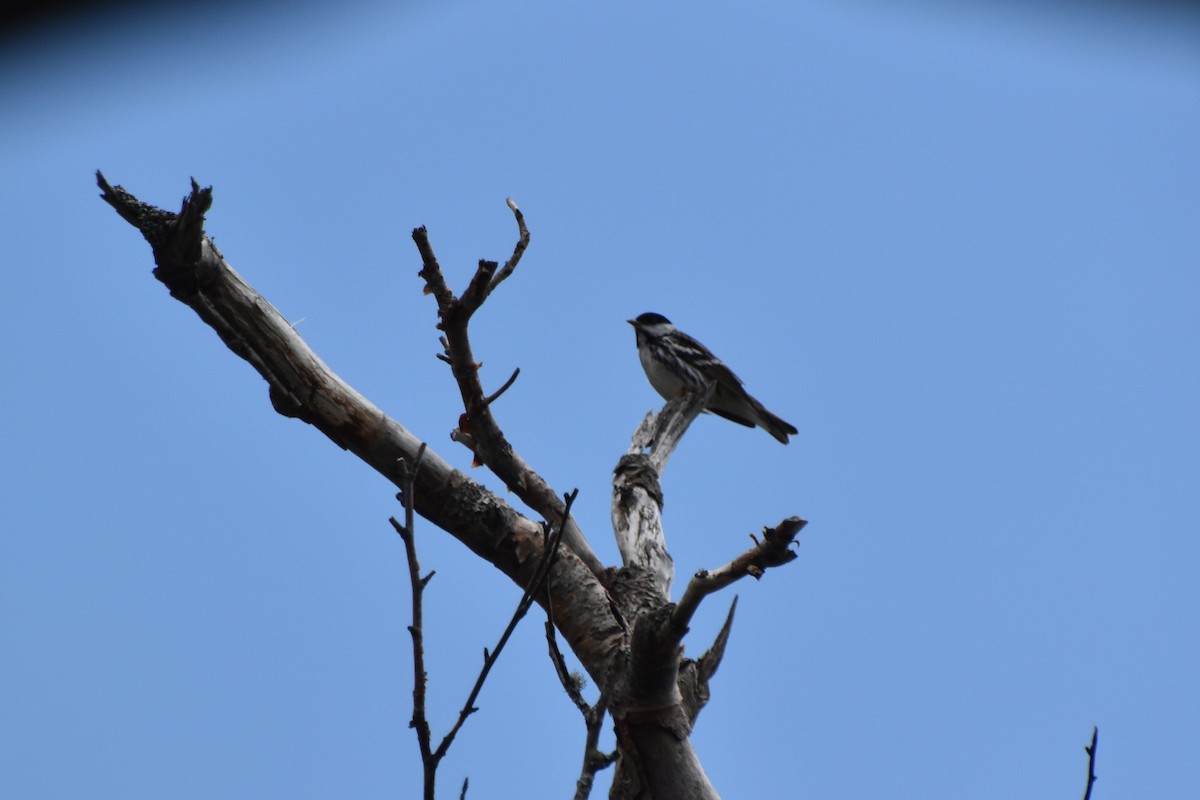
(632, 322)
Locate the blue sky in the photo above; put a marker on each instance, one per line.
(956, 246)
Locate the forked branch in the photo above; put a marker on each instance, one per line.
(478, 426)
(774, 550)
(430, 758)
(535, 587)
(594, 759)
(593, 716)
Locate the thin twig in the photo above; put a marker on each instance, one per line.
(695, 676)
(431, 271)
(593, 716)
(419, 722)
(593, 759)
(536, 583)
(708, 663)
(487, 401)
(463, 794)
(1091, 753)
(518, 250)
(569, 683)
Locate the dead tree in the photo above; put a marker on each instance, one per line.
(618, 621)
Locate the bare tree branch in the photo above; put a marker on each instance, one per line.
(659, 701)
(496, 394)
(303, 387)
(773, 551)
(518, 250)
(488, 442)
(593, 716)
(1091, 754)
(486, 279)
(713, 655)
(618, 622)
(419, 722)
(536, 586)
(694, 676)
(593, 759)
(431, 271)
(637, 520)
(570, 683)
(661, 434)
(637, 495)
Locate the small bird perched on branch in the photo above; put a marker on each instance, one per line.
(676, 363)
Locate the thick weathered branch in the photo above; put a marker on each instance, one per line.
(487, 441)
(302, 386)
(774, 550)
(637, 496)
(663, 693)
(656, 758)
(637, 520)
(661, 434)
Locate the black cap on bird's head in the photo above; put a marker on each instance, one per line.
(647, 319)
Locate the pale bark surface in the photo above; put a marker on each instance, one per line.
(618, 621)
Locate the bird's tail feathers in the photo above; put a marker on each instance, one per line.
(738, 418)
(773, 424)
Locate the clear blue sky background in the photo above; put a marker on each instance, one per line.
(957, 245)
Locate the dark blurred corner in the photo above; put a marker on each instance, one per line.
(19, 18)
(22, 20)
(32, 19)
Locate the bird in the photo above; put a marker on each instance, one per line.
(676, 363)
